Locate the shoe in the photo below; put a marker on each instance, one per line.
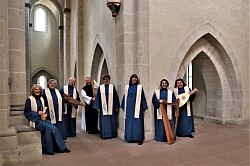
(49, 153)
(191, 136)
(140, 142)
(66, 150)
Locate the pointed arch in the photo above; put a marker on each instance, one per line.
(209, 41)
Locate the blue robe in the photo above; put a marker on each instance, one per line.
(185, 125)
(108, 123)
(51, 138)
(59, 124)
(160, 134)
(134, 127)
(69, 122)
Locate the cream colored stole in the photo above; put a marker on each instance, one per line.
(137, 102)
(34, 108)
(186, 89)
(169, 107)
(51, 105)
(74, 110)
(105, 110)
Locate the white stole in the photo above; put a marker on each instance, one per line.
(51, 105)
(105, 110)
(186, 89)
(169, 107)
(137, 102)
(34, 108)
(74, 110)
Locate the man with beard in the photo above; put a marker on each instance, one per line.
(91, 114)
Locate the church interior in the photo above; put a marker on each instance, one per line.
(205, 43)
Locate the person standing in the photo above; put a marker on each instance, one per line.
(107, 102)
(185, 126)
(70, 112)
(35, 111)
(91, 114)
(55, 104)
(160, 96)
(134, 104)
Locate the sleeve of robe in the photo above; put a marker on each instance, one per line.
(29, 114)
(144, 105)
(192, 97)
(77, 98)
(122, 104)
(98, 103)
(116, 99)
(46, 105)
(155, 101)
(85, 98)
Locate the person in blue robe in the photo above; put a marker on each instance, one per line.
(164, 92)
(51, 138)
(70, 110)
(134, 121)
(108, 115)
(54, 99)
(185, 126)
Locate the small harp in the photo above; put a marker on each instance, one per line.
(168, 129)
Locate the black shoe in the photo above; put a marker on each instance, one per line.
(66, 150)
(49, 153)
(140, 142)
(191, 136)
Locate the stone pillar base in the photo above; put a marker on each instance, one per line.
(149, 135)
(217, 120)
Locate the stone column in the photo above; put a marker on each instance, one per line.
(66, 40)
(4, 67)
(12, 69)
(132, 33)
(27, 45)
(17, 68)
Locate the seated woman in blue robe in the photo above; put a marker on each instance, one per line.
(160, 96)
(107, 102)
(134, 104)
(185, 126)
(54, 100)
(35, 112)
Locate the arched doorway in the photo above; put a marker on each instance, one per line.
(99, 65)
(217, 74)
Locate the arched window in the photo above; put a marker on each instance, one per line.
(40, 20)
(42, 81)
(189, 76)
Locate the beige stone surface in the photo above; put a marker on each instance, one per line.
(213, 144)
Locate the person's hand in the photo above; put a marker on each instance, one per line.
(93, 98)
(161, 101)
(43, 117)
(40, 113)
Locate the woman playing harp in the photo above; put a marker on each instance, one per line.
(160, 96)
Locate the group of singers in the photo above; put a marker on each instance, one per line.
(49, 111)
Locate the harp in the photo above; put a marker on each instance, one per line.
(168, 129)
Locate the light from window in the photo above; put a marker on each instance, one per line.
(40, 20)
(42, 81)
(189, 76)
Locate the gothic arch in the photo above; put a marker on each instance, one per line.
(45, 72)
(99, 64)
(207, 40)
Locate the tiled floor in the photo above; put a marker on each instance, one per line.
(213, 145)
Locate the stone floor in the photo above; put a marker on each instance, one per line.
(213, 145)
